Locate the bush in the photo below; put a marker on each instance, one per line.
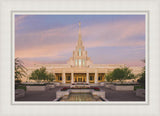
(17, 81)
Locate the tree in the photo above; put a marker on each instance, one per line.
(50, 77)
(122, 74)
(20, 69)
(42, 74)
(141, 80)
(109, 77)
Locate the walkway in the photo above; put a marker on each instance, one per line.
(111, 95)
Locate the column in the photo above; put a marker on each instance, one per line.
(87, 78)
(96, 77)
(63, 77)
(72, 78)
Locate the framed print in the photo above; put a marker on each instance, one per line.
(92, 58)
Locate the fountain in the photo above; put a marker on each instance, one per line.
(80, 92)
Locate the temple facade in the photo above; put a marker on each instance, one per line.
(80, 68)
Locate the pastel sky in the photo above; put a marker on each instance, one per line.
(109, 39)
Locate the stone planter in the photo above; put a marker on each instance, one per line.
(36, 88)
(19, 93)
(123, 87)
(140, 92)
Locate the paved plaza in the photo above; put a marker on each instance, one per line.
(111, 95)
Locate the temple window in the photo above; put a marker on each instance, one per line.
(76, 62)
(79, 51)
(100, 78)
(91, 78)
(83, 62)
(79, 62)
(59, 76)
(68, 78)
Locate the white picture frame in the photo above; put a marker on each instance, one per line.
(150, 108)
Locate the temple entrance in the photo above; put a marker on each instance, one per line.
(79, 77)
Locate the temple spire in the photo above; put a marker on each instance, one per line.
(79, 28)
(79, 35)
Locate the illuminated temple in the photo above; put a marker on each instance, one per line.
(79, 68)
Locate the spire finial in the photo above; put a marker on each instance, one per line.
(79, 27)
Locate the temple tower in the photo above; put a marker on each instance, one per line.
(79, 58)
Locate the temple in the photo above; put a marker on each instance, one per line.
(80, 68)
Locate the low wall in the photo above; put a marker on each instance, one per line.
(36, 88)
(50, 86)
(140, 92)
(102, 84)
(60, 94)
(122, 88)
(57, 83)
(109, 86)
(72, 86)
(19, 93)
(80, 90)
(99, 93)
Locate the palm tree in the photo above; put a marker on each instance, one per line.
(20, 69)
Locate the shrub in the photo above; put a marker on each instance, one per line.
(17, 81)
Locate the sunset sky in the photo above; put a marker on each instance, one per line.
(109, 39)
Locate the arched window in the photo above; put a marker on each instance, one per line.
(79, 51)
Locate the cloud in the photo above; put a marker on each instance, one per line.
(115, 34)
(19, 20)
(47, 51)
